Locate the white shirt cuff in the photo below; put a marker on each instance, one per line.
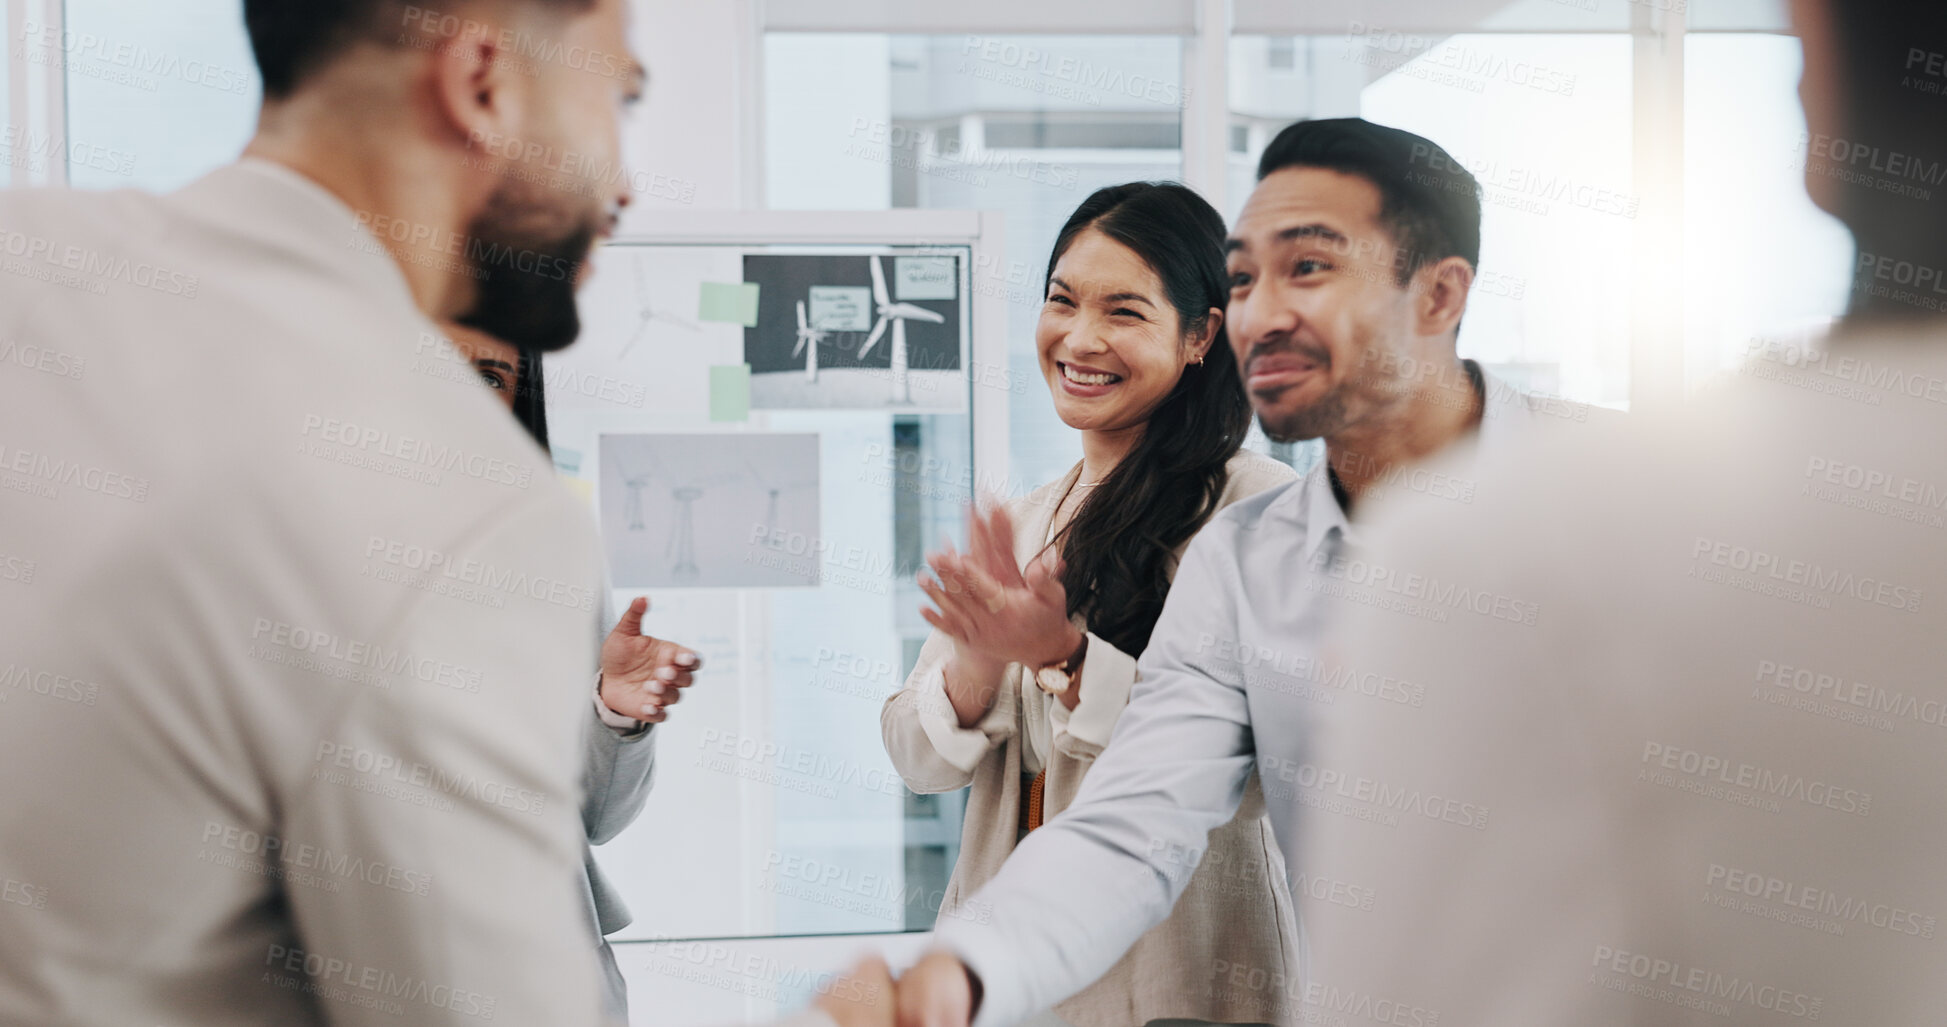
(620, 724)
(986, 951)
(1108, 674)
(964, 747)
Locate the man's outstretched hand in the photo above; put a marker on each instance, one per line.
(937, 992)
(861, 996)
(642, 676)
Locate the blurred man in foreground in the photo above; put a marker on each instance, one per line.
(296, 673)
(328, 620)
(1707, 777)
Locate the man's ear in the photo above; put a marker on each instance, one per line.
(1442, 296)
(476, 91)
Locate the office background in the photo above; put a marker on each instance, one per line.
(1642, 161)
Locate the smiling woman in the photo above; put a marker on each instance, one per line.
(1131, 343)
(1037, 627)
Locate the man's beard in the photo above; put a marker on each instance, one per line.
(1318, 420)
(525, 293)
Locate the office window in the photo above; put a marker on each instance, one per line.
(1543, 121)
(158, 94)
(1280, 54)
(1745, 205)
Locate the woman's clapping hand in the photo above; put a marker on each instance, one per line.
(994, 610)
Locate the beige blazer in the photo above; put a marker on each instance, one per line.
(1237, 907)
(291, 710)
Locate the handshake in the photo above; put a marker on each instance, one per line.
(938, 991)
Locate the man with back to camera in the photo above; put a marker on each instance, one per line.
(295, 684)
(1351, 266)
(1713, 765)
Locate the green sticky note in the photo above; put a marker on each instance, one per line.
(730, 391)
(731, 302)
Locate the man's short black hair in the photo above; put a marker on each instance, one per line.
(1430, 204)
(294, 38)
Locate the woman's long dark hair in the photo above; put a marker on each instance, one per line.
(1119, 546)
(530, 398)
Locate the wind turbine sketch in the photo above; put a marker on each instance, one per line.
(808, 340)
(683, 510)
(682, 536)
(646, 305)
(773, 489)
(632, 503)
(895, 314)
(682, 539)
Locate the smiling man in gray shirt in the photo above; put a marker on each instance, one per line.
(1350, 270)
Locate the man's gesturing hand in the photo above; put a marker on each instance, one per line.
(937, 992)
(643, 676)
(861, 997)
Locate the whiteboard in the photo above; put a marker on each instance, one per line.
(774, 512)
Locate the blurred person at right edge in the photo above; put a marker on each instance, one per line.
(1349, 270)
(1704, 787)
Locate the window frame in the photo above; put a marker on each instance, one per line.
(37, 92)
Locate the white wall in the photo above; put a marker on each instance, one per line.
(687, 126)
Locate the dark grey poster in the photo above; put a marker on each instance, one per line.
(855, 331)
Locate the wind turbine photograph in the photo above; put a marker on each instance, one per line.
(808, 340)
(860, 330)
(896, 315)
(710, 511)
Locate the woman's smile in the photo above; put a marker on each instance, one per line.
(1086, 382)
